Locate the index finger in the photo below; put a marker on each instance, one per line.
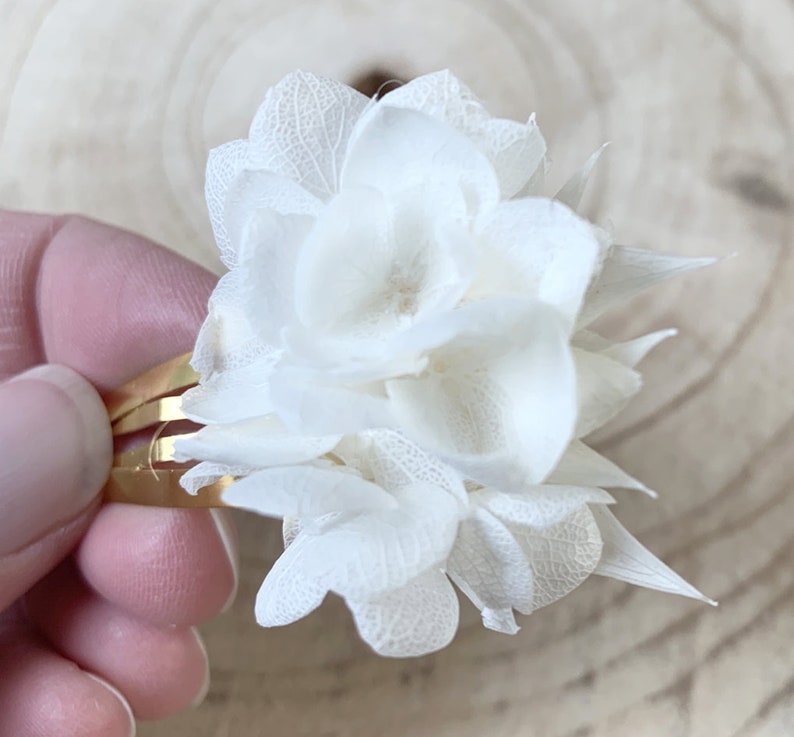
(107, 303)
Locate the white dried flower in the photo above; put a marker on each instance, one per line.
(397, 361)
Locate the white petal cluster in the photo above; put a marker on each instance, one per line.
(397, 362)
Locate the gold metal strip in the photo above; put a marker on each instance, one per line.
(159, 450)
(166, 409)
(167, 378)
(160, 488)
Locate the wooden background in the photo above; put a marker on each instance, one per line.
(109, 107)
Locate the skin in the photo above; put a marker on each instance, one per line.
(111, 591)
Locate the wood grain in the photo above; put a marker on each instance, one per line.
(109, 108)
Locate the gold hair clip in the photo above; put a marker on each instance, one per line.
(147, 473)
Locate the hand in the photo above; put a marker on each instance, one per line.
(97, 603)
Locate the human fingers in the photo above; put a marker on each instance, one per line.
(55, 452)
(42, 693)
(160, 670)
(107, 303)
(110, 305)
(194, 550)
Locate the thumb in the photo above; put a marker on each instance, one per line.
(55, 454)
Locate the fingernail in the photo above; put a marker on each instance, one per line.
(120, 697)
(228, 537)
(205, 687)
(55, 452)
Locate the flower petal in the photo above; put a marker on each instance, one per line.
(257, 442)
(442, 96)
(232, 395)
(224, 165)
(395, 149)
(415, 619)
(302, 128)
(484, 409)
(605, 387)
(369, 554)
(562, 556)
(306, 491)
(628, 271)
(396, 462)
(206, 473)
(287, 593)
(234, 363)
(268, 266)
(539, 506)
(537, 248)
(490, 567)
(346, 262)
(572, 191)
(254, 191)
(307, 404)
(226, 339)
(582, 466)
(290, 529)
(516, 150)
(631, 352)
(625, 559)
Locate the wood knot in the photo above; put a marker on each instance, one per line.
(377, 82)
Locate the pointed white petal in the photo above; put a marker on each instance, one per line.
(490, 567)
(224, 165)
(582, 466)
(535, 186)
(539, 249)
(306, 491)
(629, 271)
(587, 340)
(632, 352)
(540, 506)
(396, 149)
(562, 556)
(287, 593)
(257, 442)
(418, 618)
(302, 128)
(605, 387)
(626, 559)
(572, 191)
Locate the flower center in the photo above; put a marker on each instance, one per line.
(404, 289)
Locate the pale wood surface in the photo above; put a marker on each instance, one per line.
(108, 108)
